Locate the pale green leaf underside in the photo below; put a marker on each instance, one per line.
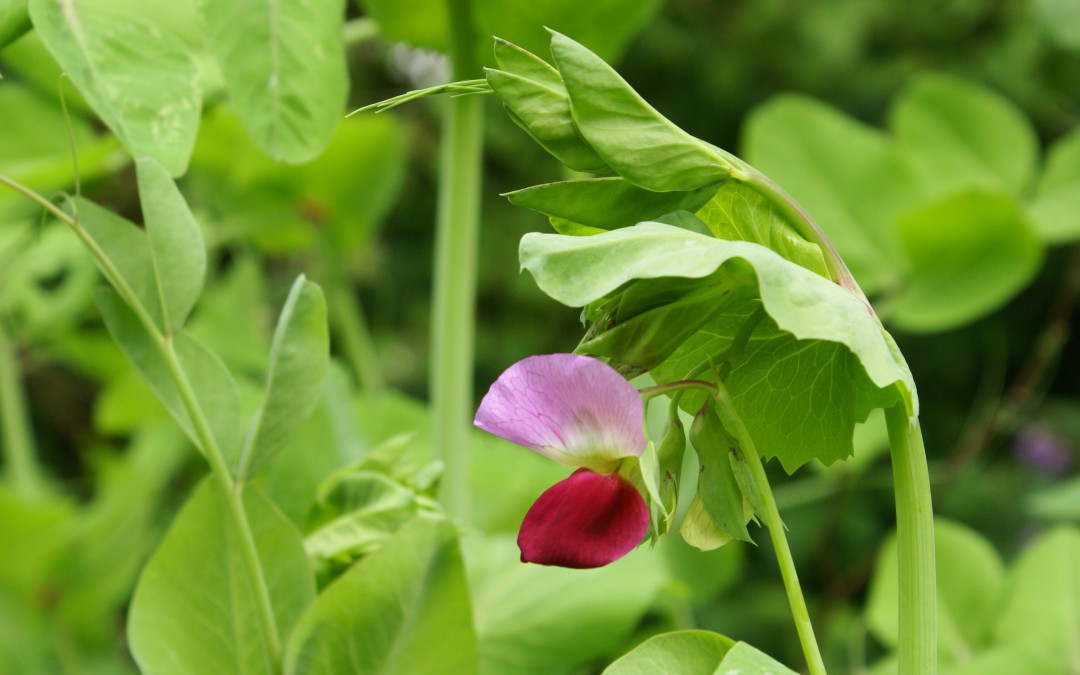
(804, 379)
(194, 611)
(284, 65)
(139, 79)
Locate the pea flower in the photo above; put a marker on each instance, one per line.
(579, 412)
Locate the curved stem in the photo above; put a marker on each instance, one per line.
(214, 457)
(915, 542)
(456, 241)
(807, 227)
(771, 515)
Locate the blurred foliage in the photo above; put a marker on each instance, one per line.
(998, 385)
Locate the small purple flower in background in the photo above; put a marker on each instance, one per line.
(579, 412)
(1043, 450)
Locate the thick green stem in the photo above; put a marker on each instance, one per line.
(23, 472)
(218, 466)
(456, 242)
(771, 516)
(915, 541)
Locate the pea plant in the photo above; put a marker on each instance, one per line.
(190, 234)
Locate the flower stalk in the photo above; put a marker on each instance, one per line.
(457, 232)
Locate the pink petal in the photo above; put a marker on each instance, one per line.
(573, 409)
(585, 521)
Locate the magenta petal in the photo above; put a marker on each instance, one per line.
(573, 409)
(587, 520)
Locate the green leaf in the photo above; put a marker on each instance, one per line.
(970, 580)
(847, 175)
(299, 358)
(14, 21)
(356, 514)
(1056, 207)
(542, 109)
(421, 23)
(537, 620)
(606, 203)
(687, 652)
(284, 67)
(634, 139)
(176, 246)
(823, 365)
(194, 610)
(719, 491)
(738, 213)
(215, 391)
(1042, 601)
(968, 255)
(403, 609)
(140, 79)
(525, 64)
(960, 135)
(746, 660)
(127, 249)
(647, 339)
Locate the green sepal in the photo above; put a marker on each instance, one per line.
(669, 453)
(718, 487)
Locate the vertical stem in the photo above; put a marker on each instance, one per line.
(23, 473)
(771, 515)
(456, 242)
(915, 541)
(218, 466)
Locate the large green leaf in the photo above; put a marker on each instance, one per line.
(299, 358)
(140, 79)
(213, 386)
(176, 246)
(402, 609)
(536, 620)
(822, 362)
(284, 66)
(687, 652)
(194, 609)
(635, 140)
(1056, 208)
(970, 580)
(960, 135)
(848, 176)
(967, 255)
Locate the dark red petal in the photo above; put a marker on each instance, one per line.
(587, 520)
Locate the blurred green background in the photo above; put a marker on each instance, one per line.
(1000, 387)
